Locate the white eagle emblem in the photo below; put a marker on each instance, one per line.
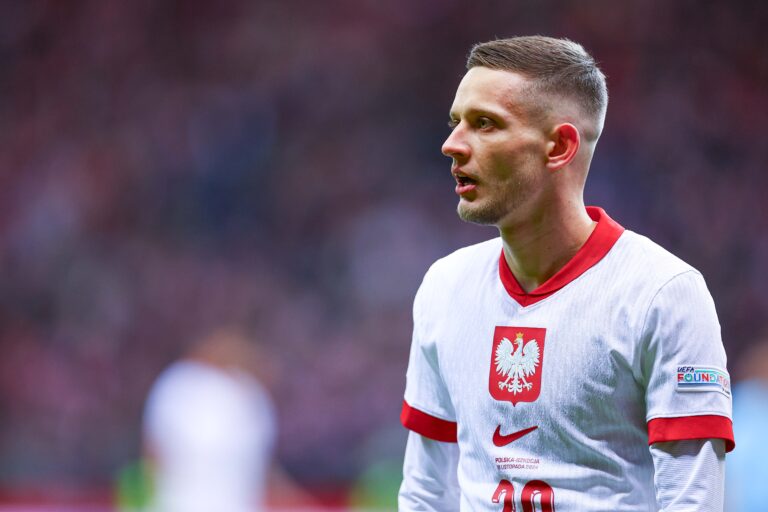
(516, 364)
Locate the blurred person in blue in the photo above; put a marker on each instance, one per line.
(210, 428)
(747, 468)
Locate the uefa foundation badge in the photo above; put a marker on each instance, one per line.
(517, 357)
(703, 378)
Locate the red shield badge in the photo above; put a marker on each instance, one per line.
(517, 358)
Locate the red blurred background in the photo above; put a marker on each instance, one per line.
(168, 167)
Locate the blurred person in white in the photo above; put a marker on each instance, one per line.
(747, 468)
(568, 364)
(210, 428)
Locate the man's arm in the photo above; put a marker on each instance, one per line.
(430, 482)
(689, 427)
(690, 475)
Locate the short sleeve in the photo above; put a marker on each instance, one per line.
(688, 393)
(427, 408)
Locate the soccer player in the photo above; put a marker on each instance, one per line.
(568, 364)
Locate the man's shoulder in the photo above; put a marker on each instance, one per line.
(466, 265)
(638, 255)
(472, 257)
(457, 274)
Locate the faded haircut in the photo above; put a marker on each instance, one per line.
(558, 67)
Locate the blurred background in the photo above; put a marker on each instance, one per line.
(171, 167)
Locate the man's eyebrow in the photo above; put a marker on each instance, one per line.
(477, 111)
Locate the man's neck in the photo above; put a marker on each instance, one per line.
(536, 250)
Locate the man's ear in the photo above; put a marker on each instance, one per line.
(562, 146)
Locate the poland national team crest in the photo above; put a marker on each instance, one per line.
(516, 361)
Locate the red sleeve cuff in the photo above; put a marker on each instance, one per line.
(661, 430)
(426, 425)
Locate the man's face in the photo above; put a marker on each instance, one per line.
(498, 149)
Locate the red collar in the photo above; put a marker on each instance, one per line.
(605, 234)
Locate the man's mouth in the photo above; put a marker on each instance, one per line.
(464, 183)
(464, 180)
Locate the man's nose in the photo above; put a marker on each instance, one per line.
(455, 146)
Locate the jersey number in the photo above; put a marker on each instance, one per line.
(533, 492)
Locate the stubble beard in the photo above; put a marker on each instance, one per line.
(482, 214)
(492, 210)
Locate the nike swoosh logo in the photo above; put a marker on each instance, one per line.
(503, 440)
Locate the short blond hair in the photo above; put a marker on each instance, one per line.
(556, 66)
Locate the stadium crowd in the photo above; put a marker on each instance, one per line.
(169, 167)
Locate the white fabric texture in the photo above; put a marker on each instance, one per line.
(429, 476)
(211, 433)
(689, 475)
(609, 344)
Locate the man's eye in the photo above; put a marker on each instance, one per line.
(453, 123)
(484, 122)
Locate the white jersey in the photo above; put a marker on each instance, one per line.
(554, 396)
(211, 432)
